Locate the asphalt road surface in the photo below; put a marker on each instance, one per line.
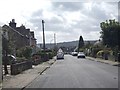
(77, 73)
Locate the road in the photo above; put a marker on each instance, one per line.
(77, 73)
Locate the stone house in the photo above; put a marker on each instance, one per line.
(18, 37)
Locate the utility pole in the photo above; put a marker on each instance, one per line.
(54, 40)
(55, 47)
(43, 38)
(43, 35)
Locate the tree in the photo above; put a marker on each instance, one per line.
(110, 32)
(81, 43)
(110, 35)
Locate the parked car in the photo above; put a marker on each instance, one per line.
(12, 59)
(60, 54)
(74, 53)
(81, 55)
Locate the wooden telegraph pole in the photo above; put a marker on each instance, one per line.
(43, 38)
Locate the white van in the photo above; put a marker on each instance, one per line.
(60, 54)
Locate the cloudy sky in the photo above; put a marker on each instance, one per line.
(67, 19)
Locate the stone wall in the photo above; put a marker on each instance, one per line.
(20, 67)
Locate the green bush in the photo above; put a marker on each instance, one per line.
(24, 52)
(19, 53)
(81, 50)
(50, 54)
(95, 50)
(99, 53)
(21, 59)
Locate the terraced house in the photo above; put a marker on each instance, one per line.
(18, 37)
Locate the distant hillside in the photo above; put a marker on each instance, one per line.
(66, 44)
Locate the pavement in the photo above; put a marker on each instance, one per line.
(23, 79)
(104, 61)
